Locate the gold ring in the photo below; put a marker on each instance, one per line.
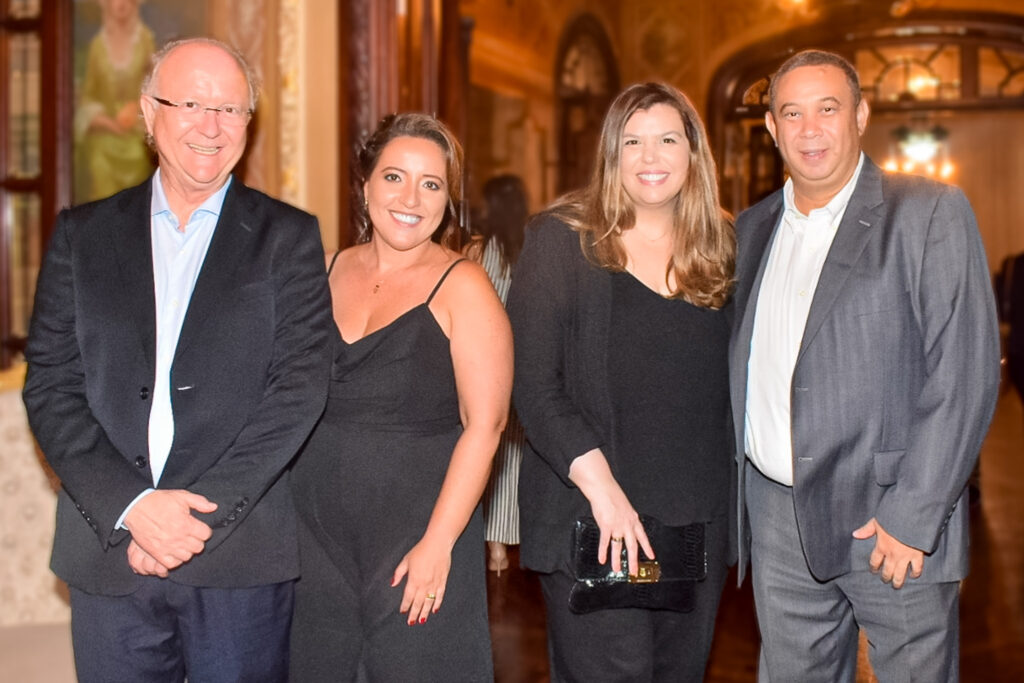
(617, 539)
(431, 596)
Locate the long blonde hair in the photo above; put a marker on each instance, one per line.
(704, 242)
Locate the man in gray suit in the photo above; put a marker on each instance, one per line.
(864, 372)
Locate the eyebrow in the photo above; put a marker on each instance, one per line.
(821, 100)
(659, 135)
(438, 178)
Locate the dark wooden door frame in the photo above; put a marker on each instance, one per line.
(53, 185)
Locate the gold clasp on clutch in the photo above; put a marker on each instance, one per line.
(646, 572)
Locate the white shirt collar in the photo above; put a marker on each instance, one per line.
(835, 207)
(159, 204)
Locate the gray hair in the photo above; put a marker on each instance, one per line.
(814, 58)
(252, 81)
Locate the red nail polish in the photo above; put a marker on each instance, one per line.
(423, 620)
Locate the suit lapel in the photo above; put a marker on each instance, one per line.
(234, 229)
(862, 212)
(131, 239)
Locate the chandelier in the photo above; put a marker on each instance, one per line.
(920, 150)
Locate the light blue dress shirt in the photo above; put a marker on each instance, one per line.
(177, 259)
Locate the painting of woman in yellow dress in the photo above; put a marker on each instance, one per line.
(111, 152)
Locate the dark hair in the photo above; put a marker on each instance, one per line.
(413, 125)
(814, 58)
(506, 215)
(704, 242)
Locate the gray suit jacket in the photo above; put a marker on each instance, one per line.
(896, 378)
(249, 380)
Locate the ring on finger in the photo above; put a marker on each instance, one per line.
(617, 539)
(431, 596)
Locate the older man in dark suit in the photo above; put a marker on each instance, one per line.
(864, 374)
(178, 358)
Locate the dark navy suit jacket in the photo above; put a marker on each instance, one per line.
(248, 381)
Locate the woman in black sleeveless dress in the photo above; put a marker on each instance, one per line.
(619, 307)
(393, 582)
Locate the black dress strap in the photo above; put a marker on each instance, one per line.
(335, 258)
(441, 281)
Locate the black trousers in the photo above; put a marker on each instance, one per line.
(634, 645)
(165, 632)
(347, 626)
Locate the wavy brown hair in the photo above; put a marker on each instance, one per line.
(704, 242)
(412, 125)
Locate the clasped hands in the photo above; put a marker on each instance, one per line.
(890, 557)
(165, 535)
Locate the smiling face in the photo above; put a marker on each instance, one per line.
(197, 152)
(120, 11)
(817, 125)
(655, 158)
(407, 192)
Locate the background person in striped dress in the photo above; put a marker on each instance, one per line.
(496, 243)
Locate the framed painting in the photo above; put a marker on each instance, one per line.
(113, 41)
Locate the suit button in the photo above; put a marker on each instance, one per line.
(140, 462)
(144, 393)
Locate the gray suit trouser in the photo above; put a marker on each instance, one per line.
(809, 628)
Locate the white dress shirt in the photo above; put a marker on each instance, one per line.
(791, 275)
(177, 258)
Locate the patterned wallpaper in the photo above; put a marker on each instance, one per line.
(29, 592)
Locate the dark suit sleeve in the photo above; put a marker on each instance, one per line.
(295, 386)
(73, 441)
(540, 306)
(956, 314)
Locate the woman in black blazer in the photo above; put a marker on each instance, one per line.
(618, 307)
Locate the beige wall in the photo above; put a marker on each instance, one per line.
(310, 127)
(989, 165)
(29, 593)
(293, 146)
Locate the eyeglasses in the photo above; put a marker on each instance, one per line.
(230, 114)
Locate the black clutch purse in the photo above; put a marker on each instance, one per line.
(667, 582)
